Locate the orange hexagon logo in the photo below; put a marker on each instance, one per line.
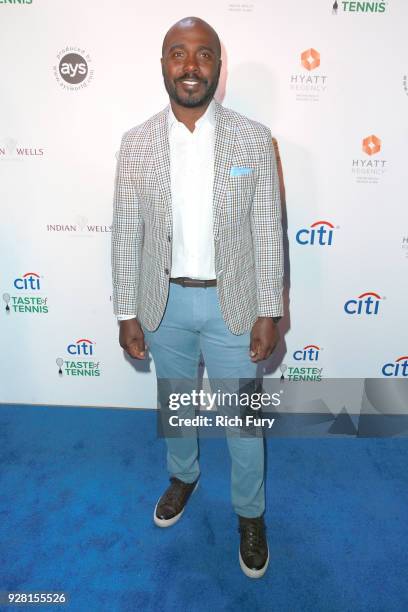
(310, 59)
(371, 145)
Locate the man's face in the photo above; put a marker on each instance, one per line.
(191, 65)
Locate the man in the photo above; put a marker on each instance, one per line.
(197, 260)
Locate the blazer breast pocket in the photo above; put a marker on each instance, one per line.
(241, 184)
(240, 190)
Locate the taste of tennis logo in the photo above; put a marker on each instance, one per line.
(26, 296)
(308, 370)
(371, 167)
(73, 70)
(16, 2)
(309, 85)
(77, 360)
(358, 7)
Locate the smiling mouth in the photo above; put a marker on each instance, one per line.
(190, 82)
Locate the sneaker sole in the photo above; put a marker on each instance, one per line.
(169, 522)
(251, 573)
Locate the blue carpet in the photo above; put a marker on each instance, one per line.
(77, 492)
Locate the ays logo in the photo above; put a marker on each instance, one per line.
(73, 70)
(74, 363)
(365, 304)
(398, 368)
(320, 233)
(26, 296)
(308, 85)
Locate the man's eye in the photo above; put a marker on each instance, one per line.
(178, 53)
(205, 54)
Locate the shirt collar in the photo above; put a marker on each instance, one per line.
(207, 119)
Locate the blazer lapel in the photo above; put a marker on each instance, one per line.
(161, 159)
(223, 155)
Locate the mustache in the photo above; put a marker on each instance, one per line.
(191, 76)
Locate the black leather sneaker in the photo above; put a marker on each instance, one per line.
(171, 504)
(253, 549)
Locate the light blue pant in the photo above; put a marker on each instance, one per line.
(193, 322)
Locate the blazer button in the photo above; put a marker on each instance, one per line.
(166, 271)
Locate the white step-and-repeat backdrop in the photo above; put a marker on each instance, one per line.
(330, 80)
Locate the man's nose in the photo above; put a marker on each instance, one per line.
(191, 64)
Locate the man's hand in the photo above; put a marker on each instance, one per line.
(131, 338)
(264, 338)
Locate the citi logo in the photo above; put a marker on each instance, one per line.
(320, 233)
(365, 304)
(398, 368)
(83, 346)
(30, 281)
(310, 352)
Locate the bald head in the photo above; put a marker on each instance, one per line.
(191, 62)
(192, 22)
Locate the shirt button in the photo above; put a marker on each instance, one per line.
(169, 238)
(166, 270)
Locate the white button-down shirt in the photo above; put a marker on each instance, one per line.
(192, 180)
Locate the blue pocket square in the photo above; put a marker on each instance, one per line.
(240, 171)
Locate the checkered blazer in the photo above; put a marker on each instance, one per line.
(246, 222)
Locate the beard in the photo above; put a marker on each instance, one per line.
(191, 100)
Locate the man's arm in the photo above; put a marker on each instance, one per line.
(266, 227)
(127, 235)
